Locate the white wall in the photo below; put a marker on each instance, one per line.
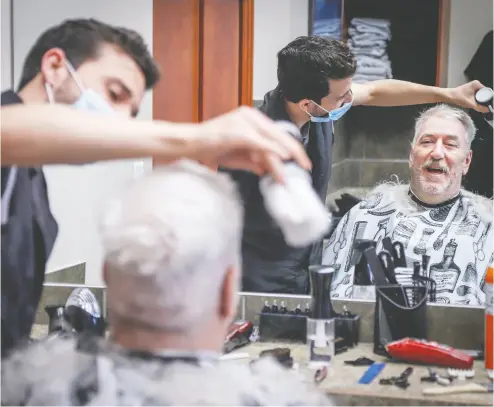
(470, 21)
(77, 193)
(5, 33)
(276, 23)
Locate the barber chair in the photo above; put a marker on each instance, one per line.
(344, 203)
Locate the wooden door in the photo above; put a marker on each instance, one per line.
(205, 50)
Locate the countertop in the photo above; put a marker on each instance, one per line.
(341, 381)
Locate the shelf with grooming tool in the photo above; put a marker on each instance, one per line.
(400, 318)
(291, 326)
(389, 268)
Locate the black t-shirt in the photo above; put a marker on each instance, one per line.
(269, 263)
(479, 178)
(28, 235)
(481, 65)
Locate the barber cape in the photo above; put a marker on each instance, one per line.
(58, 372)
(457, 235)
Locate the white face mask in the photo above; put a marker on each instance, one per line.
(89, 99)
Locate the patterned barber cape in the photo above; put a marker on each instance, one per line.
(457, 235)
(57, 372)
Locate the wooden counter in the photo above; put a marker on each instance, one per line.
(342, 379)
(341, 382)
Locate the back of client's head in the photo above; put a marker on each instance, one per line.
(172, 251)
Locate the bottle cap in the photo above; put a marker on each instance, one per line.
(484, 96)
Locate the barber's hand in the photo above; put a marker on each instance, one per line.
(464, 96)
(246, 139)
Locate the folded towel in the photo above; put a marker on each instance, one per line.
(375, 30)
(374, 36)
(372, 52)
(372, 22)
(367, 43)
(371, 26)
(366, 61)
(378, 35)
(374, 70)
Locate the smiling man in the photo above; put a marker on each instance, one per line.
(315, 89)
(432, 216)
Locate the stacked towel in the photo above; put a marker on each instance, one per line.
(368, 39)
(328, 28)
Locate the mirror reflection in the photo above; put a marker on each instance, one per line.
(378, 172)
(392, 169)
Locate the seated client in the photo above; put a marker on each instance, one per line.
(171, 255)
(433, 215)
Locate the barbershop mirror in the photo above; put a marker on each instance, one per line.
(422, 43)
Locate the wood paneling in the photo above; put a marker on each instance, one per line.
(176, 47)
(205, 51)
(220, 57)
(443, 43)
(246, 52)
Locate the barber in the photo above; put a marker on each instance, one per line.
(81, 83)
(314, 90)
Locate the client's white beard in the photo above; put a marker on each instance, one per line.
(405, 204)
(431, 187)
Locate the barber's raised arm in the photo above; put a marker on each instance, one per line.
(54, 134)
(34, 135)
(391, 92)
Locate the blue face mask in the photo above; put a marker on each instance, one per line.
(332, 115)
(89, 100)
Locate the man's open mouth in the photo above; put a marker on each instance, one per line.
(435, 170)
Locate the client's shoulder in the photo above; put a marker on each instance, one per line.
(383, 194)
(389, 188)
(28, 371)
(42, 352)
(480, 204)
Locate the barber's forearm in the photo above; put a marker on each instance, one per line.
(34, 135)
(391, 92)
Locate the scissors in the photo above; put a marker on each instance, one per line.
(479, 245)
(342, 240)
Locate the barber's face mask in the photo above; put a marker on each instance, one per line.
(332, 115)
(89, 99)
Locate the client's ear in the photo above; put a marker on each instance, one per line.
(228, 302)
(468, 161)
(105, 273)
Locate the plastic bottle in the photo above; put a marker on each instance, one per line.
(489, 316)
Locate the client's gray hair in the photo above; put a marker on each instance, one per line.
(168, 242)
(446, 112)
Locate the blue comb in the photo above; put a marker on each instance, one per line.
(371, 373)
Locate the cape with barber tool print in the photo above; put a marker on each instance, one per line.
(456, 234)
(94, 371)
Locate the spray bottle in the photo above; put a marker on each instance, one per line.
(320, 322)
